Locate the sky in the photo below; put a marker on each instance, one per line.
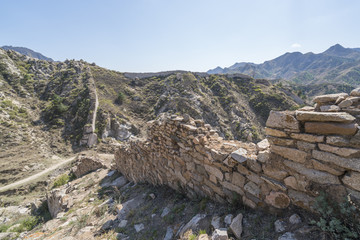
(193, 35)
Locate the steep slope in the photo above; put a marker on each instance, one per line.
(335, 65)
(28, 52)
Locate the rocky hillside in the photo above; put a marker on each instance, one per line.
(28, 52)
(335, 65)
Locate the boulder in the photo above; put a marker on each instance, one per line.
(324, 117)
(236, 226)
(355, 92)
(220, 234)
(86, 164)
(284, 120)
(280, 226)
(295, 219)
(329, 97)
(199, 221)
(169, 233)
(58, 201)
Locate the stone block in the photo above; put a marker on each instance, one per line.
(337, 171)
(239, 155)
(253, 189)
(278, 200)
(263, 145)
(347, 163)
(232, 187)
(305, 146)
(301, 199)
(311, 174)
(290, 153)
(238, 179)
(329, 108)
(214, 171)
(307, 137)
(263, 156)
(345, 103)
(282, 141)
(341, 117)
(329, 97)
(275, 132)
(331, 128)
(273, 172)
(284, 120)
(344, 152)
(352, 180)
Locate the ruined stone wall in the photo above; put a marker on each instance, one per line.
(89, 136)
(188, 155)
(310, 152)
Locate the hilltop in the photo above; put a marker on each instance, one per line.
(28, 52)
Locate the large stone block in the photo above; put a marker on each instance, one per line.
(352, 179)
(275, 132)
(290, 153)
(284, 120)
(324, 117)
(347, 163)
(282, 141)
(253, 189)
(329, 97)
(214, 171)
(307, 137)
(344, 152)
(273, 172)
(331, 128)
(337, 171)
(313, 175)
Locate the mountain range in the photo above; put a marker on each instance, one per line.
(335, 65)
(28, 52)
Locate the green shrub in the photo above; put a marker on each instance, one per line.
(27, 224)
(62, 180)
(340, 220)
(120, 98)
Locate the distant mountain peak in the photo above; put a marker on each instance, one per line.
(28, 52)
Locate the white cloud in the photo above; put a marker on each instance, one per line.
(296, 45)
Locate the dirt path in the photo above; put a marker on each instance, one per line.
(35, 176)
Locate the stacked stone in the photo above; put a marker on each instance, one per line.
(315, 151)
(338, 102)
(188, 155)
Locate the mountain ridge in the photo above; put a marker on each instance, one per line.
(335, 65)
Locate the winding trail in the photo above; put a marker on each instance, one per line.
(35, 176)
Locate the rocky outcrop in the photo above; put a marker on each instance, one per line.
(58, 201)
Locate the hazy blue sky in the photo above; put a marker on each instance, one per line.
(196, 35)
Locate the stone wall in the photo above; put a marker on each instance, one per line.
(310, 152)
(89, 136)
